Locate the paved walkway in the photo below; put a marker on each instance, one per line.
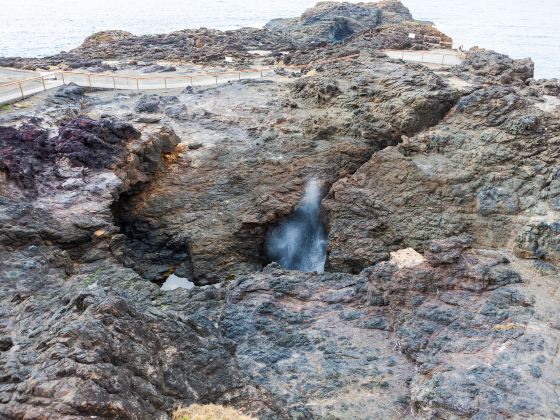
(16, 85)
(34, 83)
(9, 75)
(437, 57)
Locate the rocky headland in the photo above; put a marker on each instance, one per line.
(440, 201)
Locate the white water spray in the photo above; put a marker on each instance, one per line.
(300, 242)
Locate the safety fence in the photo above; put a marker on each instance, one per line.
(20, 89)
(450, 58)
(325, 61)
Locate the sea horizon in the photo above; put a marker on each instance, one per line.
(28, 29)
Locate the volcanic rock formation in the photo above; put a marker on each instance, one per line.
(385, 24)
(441, 207)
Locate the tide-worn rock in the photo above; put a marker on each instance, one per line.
(257, 155)
(96, 340)
(26, 151)
(149, 104)
(488, 169)
(466, 374)
(92, 143)
(195, 45)
(60, 189)
(451, 177)
(316, 340)
(539, 240)
(385, 24)
(81, 341)
(334, 22)
(484, 66)
(69, 93)
(94, 352)
(454, 337)
(397, 36)
(22, 152)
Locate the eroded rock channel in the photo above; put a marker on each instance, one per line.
(435, 216)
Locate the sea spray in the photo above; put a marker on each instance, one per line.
(300, 241)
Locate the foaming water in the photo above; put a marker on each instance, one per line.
(300, 242)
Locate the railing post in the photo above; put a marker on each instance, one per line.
(239, 78)
(137, 84)
(442, 58)
(43, 80)
(402, 56)
(192, 81)
(114, 83)
(261, 73)
(165, 82)
(63, 81)
(21, 90)
(216, 80)
(422, 57)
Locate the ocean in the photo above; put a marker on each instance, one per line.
(518, 28)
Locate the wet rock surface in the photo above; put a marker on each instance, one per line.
(103, 195)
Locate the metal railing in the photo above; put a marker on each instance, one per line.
(21, 89)
(326, 61)
(431, 57)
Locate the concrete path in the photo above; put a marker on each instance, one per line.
(437, 57)
(33, 83)
(9, 75)
(14, 91)
(16, 85)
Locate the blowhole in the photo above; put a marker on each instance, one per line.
(299, 242)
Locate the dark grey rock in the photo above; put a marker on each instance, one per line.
(149, 104)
